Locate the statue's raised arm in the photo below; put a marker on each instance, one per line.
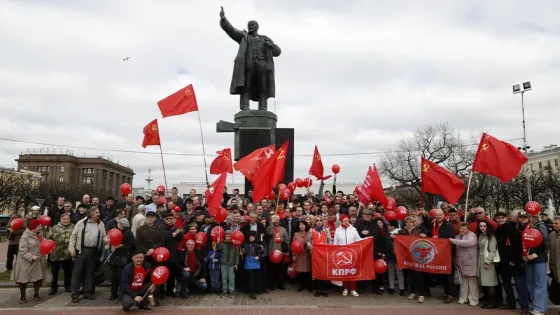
(232, 32)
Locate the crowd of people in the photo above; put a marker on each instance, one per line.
(489, 256)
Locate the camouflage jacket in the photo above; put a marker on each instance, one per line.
(60, 234)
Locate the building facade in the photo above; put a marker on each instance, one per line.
(96, 173)
(545, 160)
(19, 189)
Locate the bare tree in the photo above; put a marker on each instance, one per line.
(437, 143)
(25, 191)
(6, 189)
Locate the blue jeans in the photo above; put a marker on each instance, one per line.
(228, 279)
(214, 279)
(188, 281)
(535, 275)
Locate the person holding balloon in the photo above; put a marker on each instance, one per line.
(122, 244)
(30, 264)
(172, 236)
(278, 241)
(61, 257)
(302, 257)
(192, 270)
(229, 260)
(16, 227)
(136, 283)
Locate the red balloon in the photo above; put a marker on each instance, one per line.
(276, 256)
(160, 275)
(16, 224)
(291, 186)
(292, 273)
(217, 234)
(237, 238)
(46, 247)
(126, 189)
(287, 260)
(45, 220)
(378, 215)
(432, 213)
(391, 204)
(335, 168)
(401, 213)
(200, 239)
(390, 215)
(189, 236)
(285, 194)
(380, 266)
(532, 238)
(162, 201)
(161, 254)
(307, 182)
(221, 216)
(115, 237)
(281, 186)
(299, 182)
(533, 208)
(297, 247)
(160, 189)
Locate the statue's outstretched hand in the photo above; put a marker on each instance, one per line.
(222, 13)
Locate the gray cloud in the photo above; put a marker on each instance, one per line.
(351, 78)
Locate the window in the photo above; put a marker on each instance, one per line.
(555, 162)
(549, 165)
(88, 171)
(25, 167)
(540, 166)
(62, 169)
(61, 179)
(531, 166)
(43, 169)
(87, 180)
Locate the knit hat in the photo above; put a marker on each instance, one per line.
(344, 216)
(35, 208)
(34, 224)
(228, 232)
(177, 209)
(138, 251)
(124, 222)
(500, 214)
(167, 214)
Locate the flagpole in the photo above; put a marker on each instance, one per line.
(203, 149)
(163, 166)
(467, 198)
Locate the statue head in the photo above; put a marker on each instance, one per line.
(252, 27)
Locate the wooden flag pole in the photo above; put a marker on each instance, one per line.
(467, 197)
(163, 166)
(203, 149)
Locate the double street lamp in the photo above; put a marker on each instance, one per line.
(521, 89)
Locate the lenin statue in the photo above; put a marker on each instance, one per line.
(253, 69)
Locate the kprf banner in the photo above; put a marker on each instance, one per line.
(353, 262)
(432, 255)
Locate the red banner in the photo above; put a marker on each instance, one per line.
(432, 255)
(353, 262)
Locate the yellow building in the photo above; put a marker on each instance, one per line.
(545, 160)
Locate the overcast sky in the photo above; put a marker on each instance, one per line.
(353, 76)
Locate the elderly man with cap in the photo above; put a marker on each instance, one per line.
(443, 229)
(34, 214)
(149, 237)
(135, 285)
(120, 256)
(171, 236)
(366, 227)
(278, 240)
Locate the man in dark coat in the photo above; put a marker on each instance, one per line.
(253, 70)
(367, 227)
(443, 229)
(135, 283)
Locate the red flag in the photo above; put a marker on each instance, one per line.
(432, 255)
(375, 186)
(437, 180)
(249, 164)
(270, 173)
(179, 103)
(352, 262)
(222, 163)
(498, 158)
(151, 134)
(214, 193)
(317, 166)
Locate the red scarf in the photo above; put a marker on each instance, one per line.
(331, 226)
(435, 229)
(277, 238)
(179, 222)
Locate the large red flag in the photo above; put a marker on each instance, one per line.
(375, 186)
(249, 164)
(431, 255)
(214, 193)
(498, 158)
(151, 134)
(270, 173)
(437, 180)
(352, 262)
(317, 168)
(222, 163)
(179, 103)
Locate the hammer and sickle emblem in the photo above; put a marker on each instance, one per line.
(485, 147)
(318, 158)
(154, 127)
(188, 92)
(268, 153)
(426, 167)
(281, 155)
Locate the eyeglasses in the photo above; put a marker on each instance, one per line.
(479, 213)
(169, 218)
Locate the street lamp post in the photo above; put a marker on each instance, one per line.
(521, 89)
